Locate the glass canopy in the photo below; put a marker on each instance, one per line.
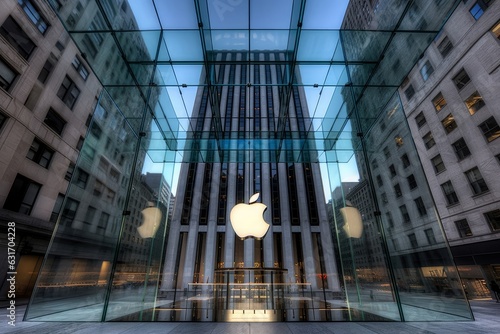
(206, 103)
(167, 49)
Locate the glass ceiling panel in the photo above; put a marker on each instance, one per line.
(183, 45)
(304, 38)
(265, 14)
(318, 45)
(139, 45)
(176, 14)
(145, 14)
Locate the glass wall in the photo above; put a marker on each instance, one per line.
(307, 119)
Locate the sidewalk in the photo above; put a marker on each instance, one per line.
(486, 313)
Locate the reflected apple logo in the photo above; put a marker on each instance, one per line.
(248, 220)
(353, 223)
(151, 219)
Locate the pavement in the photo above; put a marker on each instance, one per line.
(486, 314)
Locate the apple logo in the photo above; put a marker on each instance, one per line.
(353, 223)
(151, 218)
(247, 219)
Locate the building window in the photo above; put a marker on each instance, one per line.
(80, 68)
(57, 208)
(47, 68)
(474, 103)
(82, 177)
(493, 219)
(387, 152)
(409, 92)
(438, 164)
(420, 119)
(431, 238)
(54, 121)
(478, 9)
(413, 240)
(496, 30)
(40, 153)
(389, 219)
(412, 182)
(405, 160)
(69, 172)
(384, 198)
(463, 228)
(34, 15)
(3, 119)
(13, 33)
(392, 169)
(7, 75)
(461, 79)
(103, 223)
(439, 102)
(68, 92)
(426, 70)
(422, 211)
(379, 181)
(96, 130)
(490, 129)
(476, 181)
(22, 195)
(79, 145)
(397, 190)
(445, 47)
(428, 140)
(449, 193)
(461, 149)
(69, 211)
(449, 123)
(404, 213)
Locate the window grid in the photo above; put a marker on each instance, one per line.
(68, 92)
(461, 149)
(490, 129)
(493, 219)
(13, 33)
(474, 103)
(34, 15)
(476, 181)
(463, 228)
(439, 102)
(449, 193)
(40, 153)
(438, 164)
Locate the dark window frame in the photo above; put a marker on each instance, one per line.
(463, 228)
(8, 77)
(22, 195)
(449, 193)
(38, 153)
(476, 181)
(34, 15)
(490, 130)
(17, 38)
(461, 79)
(461, 149)
(68, 92)
(439, 102)
(55, 121)
(474, 102)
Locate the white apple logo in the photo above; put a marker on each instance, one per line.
(247, 219)
(151, 218)
(353, 223)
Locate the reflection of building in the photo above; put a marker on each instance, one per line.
(46, 97)
(201, 238)
(451, 102)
